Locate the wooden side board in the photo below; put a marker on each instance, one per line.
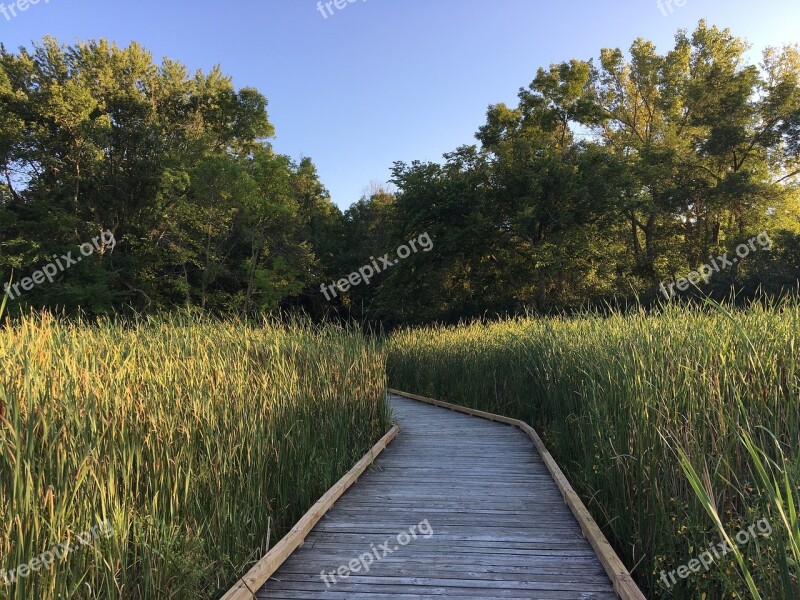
(247, 586)
(624, 585)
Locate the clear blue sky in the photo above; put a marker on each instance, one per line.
(386, 80)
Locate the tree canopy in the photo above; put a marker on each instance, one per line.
(609, 177)
(177, 166)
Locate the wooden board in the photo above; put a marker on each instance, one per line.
(500, 526)
(624, 585)
(245, 588)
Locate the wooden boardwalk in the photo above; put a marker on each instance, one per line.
(490, 523)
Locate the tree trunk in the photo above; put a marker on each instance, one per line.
(637, 246)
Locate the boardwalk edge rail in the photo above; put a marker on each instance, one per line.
(624, 585)
(247, 586)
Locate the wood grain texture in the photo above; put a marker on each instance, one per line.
(500, 525)
(624, 585)
(245, 588)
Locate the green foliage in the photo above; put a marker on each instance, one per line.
(95, 138)
(606, 179)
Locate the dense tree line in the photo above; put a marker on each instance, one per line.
(607, 178)
(610, 178)
(177, 166)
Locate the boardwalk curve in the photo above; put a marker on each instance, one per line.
(456, 507)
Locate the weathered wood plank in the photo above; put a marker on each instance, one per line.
(623, 583)
(244, 588)
(499, 524)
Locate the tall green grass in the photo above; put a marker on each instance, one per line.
(193, 438)
(677, 429)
